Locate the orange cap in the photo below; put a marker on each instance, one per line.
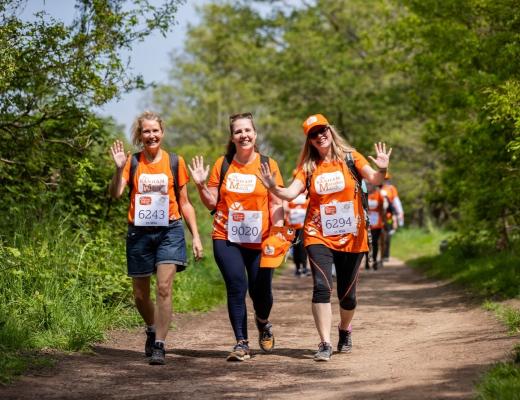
(274, 249)
(312, 121)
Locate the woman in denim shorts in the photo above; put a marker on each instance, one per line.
(155, 242)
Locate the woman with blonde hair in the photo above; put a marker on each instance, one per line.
(155, 241)
(335, 231)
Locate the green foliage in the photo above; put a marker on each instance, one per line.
(502, 381)
(411, 243)
(509, 315)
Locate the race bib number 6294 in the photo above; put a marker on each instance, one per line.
(338, 218)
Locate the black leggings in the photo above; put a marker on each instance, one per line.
(234, 261)
(299, 253)
(347, 269)
(376, 234)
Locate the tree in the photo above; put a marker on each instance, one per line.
(51, 77)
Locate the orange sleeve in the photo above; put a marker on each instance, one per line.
(301, 176)
(183, 176)
(359, 160)
(214, 177)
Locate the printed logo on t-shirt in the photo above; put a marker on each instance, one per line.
(240, 183)
(301, 199)
(330, 182)
(153, 183)
(372, 204)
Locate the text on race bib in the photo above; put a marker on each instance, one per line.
(153, 183)
(338, 218)
(297, 216)
(245, 226)
(151, 210)
(330, 182)
(240, 183)
(373, 216)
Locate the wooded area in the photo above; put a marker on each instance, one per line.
(437, 80)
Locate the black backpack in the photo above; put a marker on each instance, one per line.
(174, 167)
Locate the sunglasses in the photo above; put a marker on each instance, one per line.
(314, 134)
(234, 117)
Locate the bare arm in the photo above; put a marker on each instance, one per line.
(117, 184)
(199, 173)
(382, 161)
(276, 210)
(288, 193)
(188, 212)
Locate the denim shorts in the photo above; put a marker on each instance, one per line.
(148, 247)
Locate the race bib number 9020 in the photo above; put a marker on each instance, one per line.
(338, 218)
(151, 210)
(245, 226)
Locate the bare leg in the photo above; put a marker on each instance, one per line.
(322, 313)
(163, 308)
(141, 289)
(346, 318)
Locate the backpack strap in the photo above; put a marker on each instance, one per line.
(362, 189)
(174, 167)
(133, 167)
(226, 162)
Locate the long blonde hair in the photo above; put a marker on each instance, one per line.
(309, 156)
(137, 126)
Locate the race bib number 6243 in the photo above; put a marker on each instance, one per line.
(151, 210)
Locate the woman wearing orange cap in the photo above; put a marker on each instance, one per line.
(335, 231)
(244, 213)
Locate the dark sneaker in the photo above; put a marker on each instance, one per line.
(266, 338)
(306, 272)
(158, 355)
(150, 340)
(345, 341)
(240, 352)
(324, 352)
(297, 274)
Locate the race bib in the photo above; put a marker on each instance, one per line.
(151, 210)
(297, 216)
(338, 218)
(373, 216)
(245, 226)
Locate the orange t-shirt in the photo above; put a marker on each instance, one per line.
(242, 195)
(331, 183)
(391, 192)
(376, 204)
(295, 214)
(155, 178)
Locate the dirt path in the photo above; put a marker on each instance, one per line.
(414, 338)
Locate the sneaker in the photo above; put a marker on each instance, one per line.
(240, 352)
(266, 338)
(158, 355)
(297, 273)
(345, 341)
(306, 272)
(150, 340)
(324, 352)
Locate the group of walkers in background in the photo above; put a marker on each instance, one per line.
(324, 204)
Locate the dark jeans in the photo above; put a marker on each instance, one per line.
(240, 268)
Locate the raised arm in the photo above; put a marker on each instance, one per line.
(382, 160)
(268, 179)
(199, 174)
(118, 183)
